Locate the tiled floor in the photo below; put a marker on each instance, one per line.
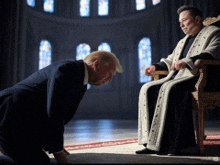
(88, 131)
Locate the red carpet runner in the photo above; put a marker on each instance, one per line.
(100, 144)
(212, 139)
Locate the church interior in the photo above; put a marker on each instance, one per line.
(139, 33)
(123, 28)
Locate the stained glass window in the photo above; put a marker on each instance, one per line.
(103, 7)
(31, 3)
(140, 4)
(84, 8)
(144, 54)
(155, 2)
(49, 6)
(82, 50)
(104, 46)
(45, 54)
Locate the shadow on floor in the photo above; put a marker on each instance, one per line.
(109, 158)
(212, 157)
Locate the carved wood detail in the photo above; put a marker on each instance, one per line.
(211, 20)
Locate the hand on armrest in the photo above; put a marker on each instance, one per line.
(151, 71)
(156, 74)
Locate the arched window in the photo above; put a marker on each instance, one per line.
(104, 46)
(84, 8)
(49, 6)
(45, 54)
(155, 2)
(82, 50)
(144, 54)
(103, 8)
(140, 4)
(31, 3)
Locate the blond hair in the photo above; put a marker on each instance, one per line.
(108, 57)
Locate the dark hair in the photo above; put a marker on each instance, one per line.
(193, 11)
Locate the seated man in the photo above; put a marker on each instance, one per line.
(34, 111)
(165, 108)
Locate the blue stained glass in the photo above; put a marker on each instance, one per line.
(103, 7)
(104, 46)
(144, 54)
(44, 54)
(155, 2)
(84, 8)
(140, 4)
(82, 51)
(49, 6)
(31, 3)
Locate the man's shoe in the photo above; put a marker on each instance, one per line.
(146, 151)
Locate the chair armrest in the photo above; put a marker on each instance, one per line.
(201, 63)
(158, 73)
(209, 79)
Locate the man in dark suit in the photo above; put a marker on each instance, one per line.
(34, 111)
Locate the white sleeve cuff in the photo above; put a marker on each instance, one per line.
(188, 62)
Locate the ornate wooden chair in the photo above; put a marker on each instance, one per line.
(206, 94)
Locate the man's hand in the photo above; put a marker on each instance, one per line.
(178, 65)
(149, 70)
(61, 156)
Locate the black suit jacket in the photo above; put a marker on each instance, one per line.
(34, 111)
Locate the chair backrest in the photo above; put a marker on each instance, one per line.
(212, 21)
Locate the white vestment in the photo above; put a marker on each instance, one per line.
(207, 41)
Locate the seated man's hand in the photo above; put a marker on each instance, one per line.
(178, 65)
(61, 156)
(149, 70)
